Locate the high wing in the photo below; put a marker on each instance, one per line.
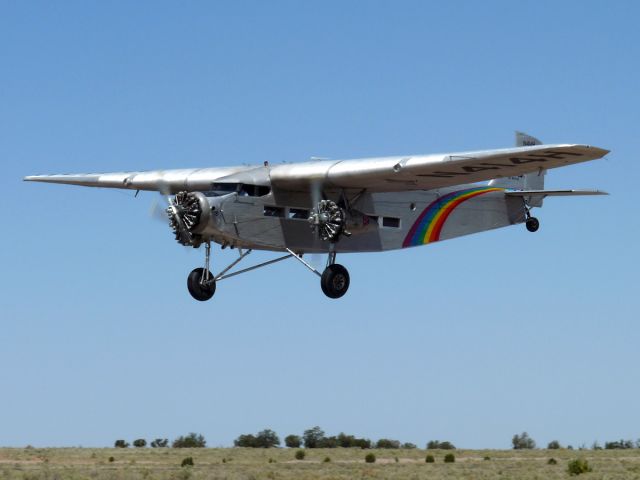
(432, 171)
(387, 174)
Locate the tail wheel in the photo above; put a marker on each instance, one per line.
(201, 285)
(335, 281)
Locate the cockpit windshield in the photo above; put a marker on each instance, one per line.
(243, 189)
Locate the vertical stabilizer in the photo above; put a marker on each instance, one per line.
(530, 181)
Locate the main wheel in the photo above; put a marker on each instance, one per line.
(532, 224)
(335, 281)
(198, 291)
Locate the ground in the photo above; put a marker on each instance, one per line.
(272, 464)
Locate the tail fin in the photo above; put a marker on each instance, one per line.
(530, 181)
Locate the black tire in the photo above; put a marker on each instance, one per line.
(532, 224)
(200, 292)
(335, 281)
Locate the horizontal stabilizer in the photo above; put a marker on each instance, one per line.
(553, 193)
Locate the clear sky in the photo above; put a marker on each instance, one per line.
(470, 340)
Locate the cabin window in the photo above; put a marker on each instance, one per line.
(298, 213)
(273, 211)
(390, 222)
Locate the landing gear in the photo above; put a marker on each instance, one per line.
(201, 282)
(532, 224)
(335, 281)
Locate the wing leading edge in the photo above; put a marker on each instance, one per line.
(386, 174)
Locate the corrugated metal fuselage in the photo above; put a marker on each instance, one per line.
(378, 221)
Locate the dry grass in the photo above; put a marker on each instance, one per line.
(255, 464)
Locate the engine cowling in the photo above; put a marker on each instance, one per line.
(188, 214)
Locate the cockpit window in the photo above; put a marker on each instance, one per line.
(243, 189)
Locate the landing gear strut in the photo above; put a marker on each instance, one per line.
(201, 282)
(335, 278)
(531, 223)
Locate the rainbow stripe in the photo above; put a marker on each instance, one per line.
(428, 226)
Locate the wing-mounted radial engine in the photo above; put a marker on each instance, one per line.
(329, 221)
(188, 214)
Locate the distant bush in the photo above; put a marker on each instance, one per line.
(552, 461)
(596, 446)
(245, 441)
(121, 444)
(437, 445)
(312, 437)
(396, 459)
(620, 444)
(523, 441)
(193, 440)
(267, 439)
(430, 459)
(487, 458)
(370, 458)
(187, 462)
(140, 443)
(271, 460)
(409, 445)
(264, 439)
(449, 458)
(578, 466)
(554, 445)
(300, 454)
(326, 460)
(387, 443)
(111, 459)
(159, 443)
(292, 441)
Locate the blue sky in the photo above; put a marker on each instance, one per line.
(470, 340)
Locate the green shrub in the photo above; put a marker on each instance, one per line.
(449, 458)
(326, 460)
(554, 445)
(271, 460)
(409, 445)
(292, 441)
(300, 454)
(487, 458)
(312, 437)
(193, 440)
(387, 443)
(430, 459)
(187, 462)
(121, 444)
(437, 445)
(552, 461)
(578, 466)
(111, 459)
(370, 458)
(523, 442)
(139, 443)
(396, 459)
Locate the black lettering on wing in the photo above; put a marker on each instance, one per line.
(441, 174)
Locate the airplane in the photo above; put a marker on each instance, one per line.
(345, 206)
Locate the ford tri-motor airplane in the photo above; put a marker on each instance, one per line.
(340, 206)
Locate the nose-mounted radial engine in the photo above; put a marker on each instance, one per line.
(186, 213)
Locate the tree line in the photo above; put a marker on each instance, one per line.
(315, 437)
